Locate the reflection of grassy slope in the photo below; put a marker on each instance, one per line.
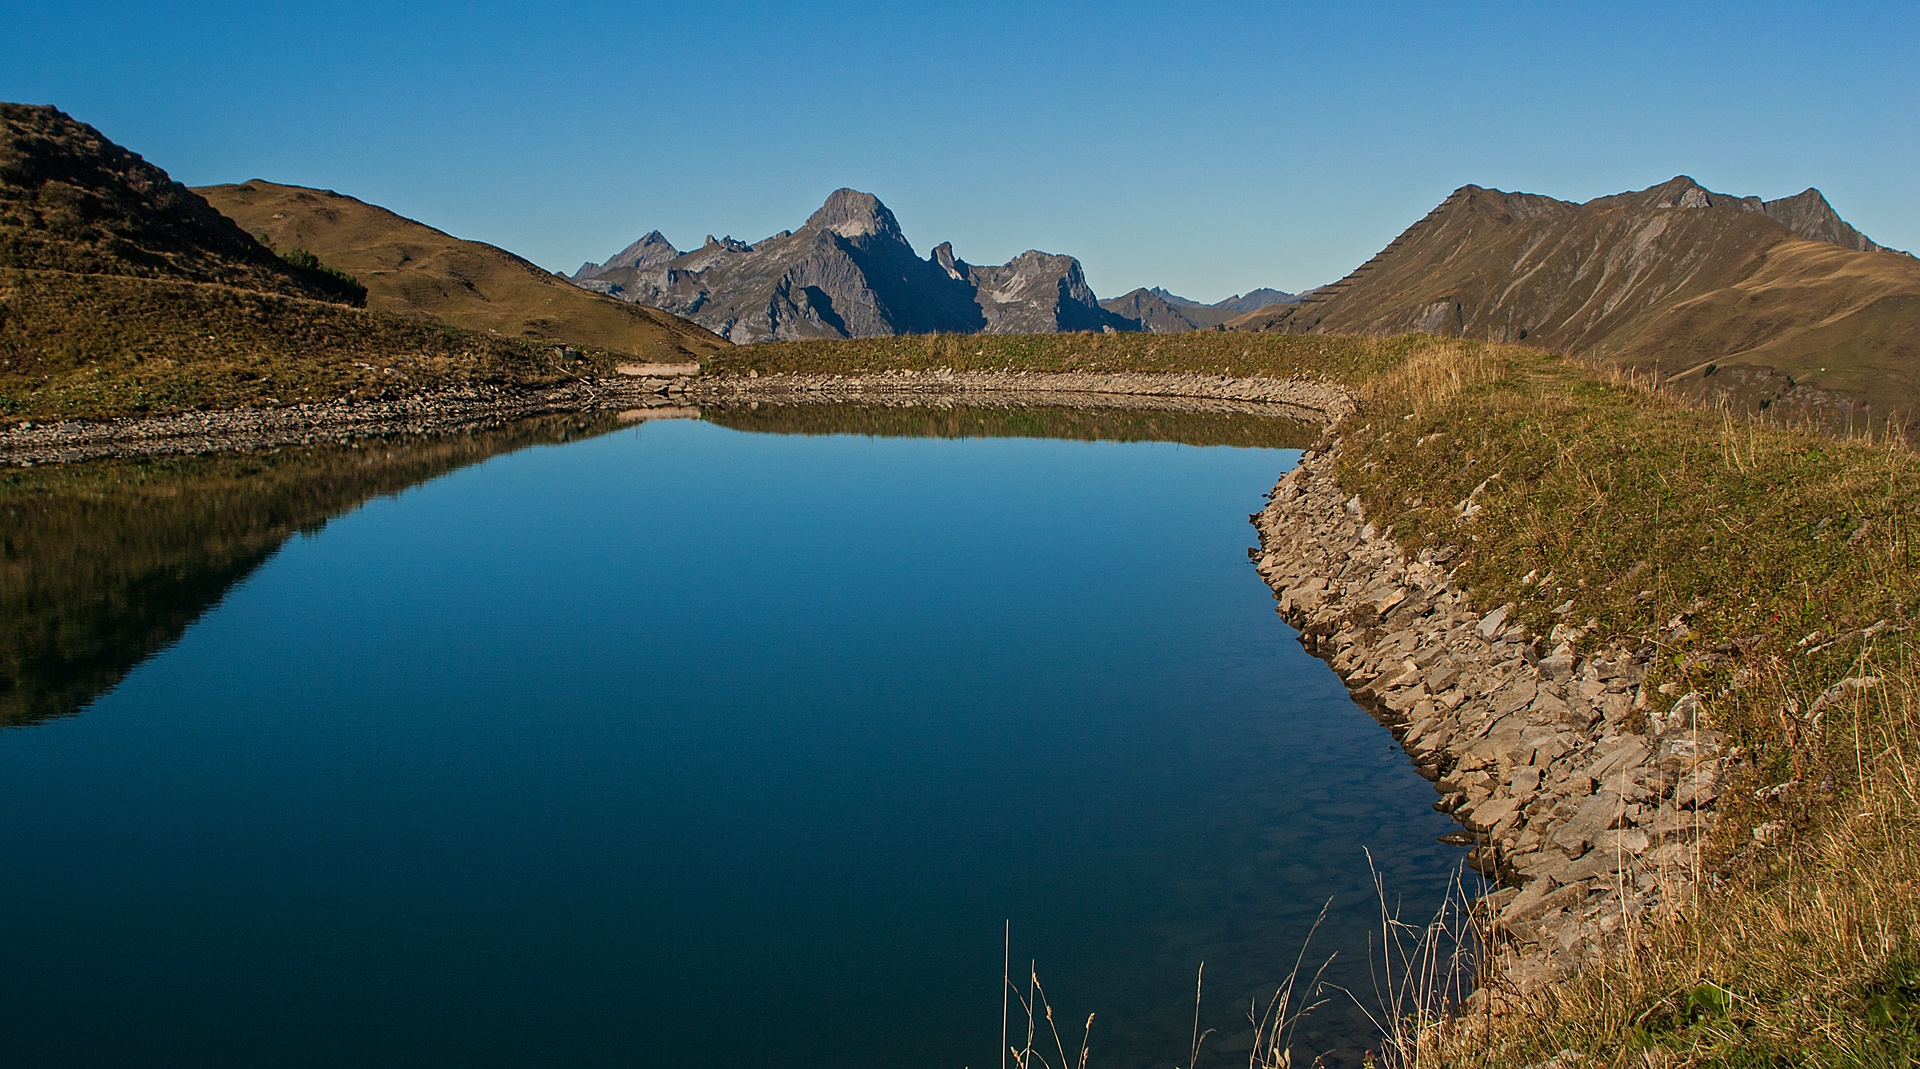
(1085, 425)
(103, 564)
(412, 269)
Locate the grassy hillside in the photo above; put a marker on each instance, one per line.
(124, 292)
(1204, 352)
(414, 270)
(1766, 567)
(1673, 279)
(97, 346)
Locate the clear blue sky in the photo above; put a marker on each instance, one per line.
(1210, 148)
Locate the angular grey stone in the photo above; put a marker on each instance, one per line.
(1594, 816)
(1491, 623)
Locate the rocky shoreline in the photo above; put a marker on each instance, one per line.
(1588, 806)
(69, 441)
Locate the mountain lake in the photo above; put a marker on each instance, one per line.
(729, 742)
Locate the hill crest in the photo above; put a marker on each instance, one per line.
(1674, 278)
(418, 271)
(74, 202)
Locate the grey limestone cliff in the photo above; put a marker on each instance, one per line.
(849, 272)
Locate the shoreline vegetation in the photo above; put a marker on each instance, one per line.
(1761, 574)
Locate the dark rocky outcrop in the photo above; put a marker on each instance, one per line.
(849, 272)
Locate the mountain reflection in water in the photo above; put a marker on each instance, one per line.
(103, 564)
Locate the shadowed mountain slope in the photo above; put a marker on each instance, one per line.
(1780, 303)
(73, 202)
(849, 272)
(122, 291)
(412, 269)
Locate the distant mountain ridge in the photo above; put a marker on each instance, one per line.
(849, 272)
(1778, 298)
(1163, 312)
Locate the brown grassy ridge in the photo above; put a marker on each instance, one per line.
(413, 270)
(100, 346)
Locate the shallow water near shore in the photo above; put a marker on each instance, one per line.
(678, 744)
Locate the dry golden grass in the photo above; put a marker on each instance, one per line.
(1771, 571)
(413, 270)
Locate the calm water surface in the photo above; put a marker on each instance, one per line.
(676, 745)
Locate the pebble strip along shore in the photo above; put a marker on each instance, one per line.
(256, 428)
(1589, 824)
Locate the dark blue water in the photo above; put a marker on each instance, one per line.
(687, 746)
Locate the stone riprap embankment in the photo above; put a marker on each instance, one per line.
(256, 428)
(1590, 808)
(1296, 398)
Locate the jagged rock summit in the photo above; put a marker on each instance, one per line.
(648, 251)
(849, 272)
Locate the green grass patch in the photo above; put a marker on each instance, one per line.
(1345, 359)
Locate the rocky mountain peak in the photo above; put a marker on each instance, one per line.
(1808, 214)
(849, 272)
(1681, 191)
(648, 251)
(943, 259)
(852, 214)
